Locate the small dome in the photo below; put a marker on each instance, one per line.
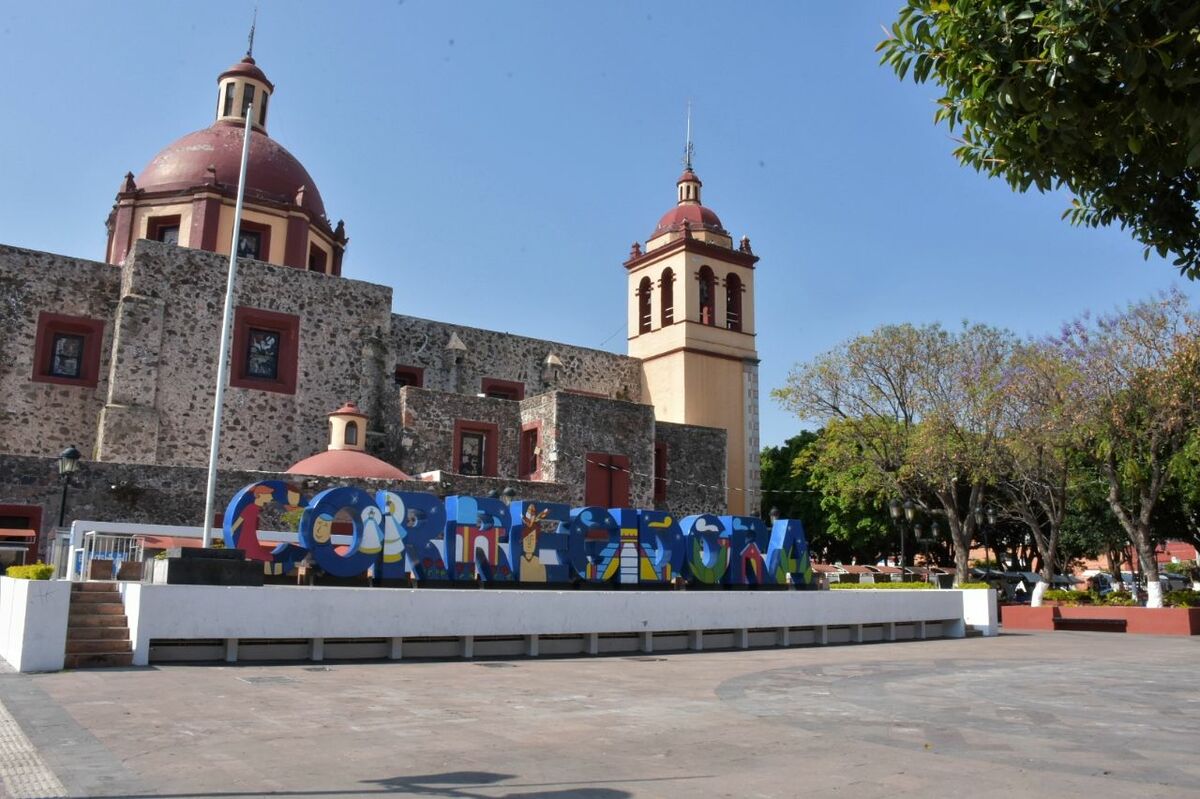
(273, 173)
(347, 463)
(246, 68)
(349, 409)
(696, 215)
(688, 176)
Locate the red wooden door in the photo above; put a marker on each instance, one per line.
(606, 480)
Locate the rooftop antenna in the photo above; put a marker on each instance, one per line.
(687, 148)
(253, 22)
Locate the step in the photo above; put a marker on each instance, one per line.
(93, 597)
(97, 660)
(86, 620)
(98, 647)
(97, 609)
(98, 633)
(93, 585)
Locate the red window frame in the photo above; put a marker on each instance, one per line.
(645, 316)
(530, 465)
(511, 388)
(491, 448)
(667, 296)
(318, 259)
(155, 225)
(288, 326)
(92, 331)
(414, 374)
(264, 239)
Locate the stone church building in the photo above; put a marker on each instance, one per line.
(118, 357)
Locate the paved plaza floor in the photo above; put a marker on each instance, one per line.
(1040, 714)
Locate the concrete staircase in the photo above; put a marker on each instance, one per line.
(97, 631)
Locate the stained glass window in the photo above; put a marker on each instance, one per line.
(471, 447)
(249, 244)
(66, 356)
(262, 354)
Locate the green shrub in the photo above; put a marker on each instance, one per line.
(973, 585)
(881, 585)
(1069, 597)
(34, 571)
(1182, 599)
(1184, 567)
(1118, 599)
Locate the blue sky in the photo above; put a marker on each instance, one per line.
(494, 161)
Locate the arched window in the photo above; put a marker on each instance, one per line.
(733, 302)
(668, 297)
(707, 292)
(351, 433)
(644, 315)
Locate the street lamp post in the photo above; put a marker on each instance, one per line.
(901, 514)
(990, 517)
(933, 535)
(68, 464)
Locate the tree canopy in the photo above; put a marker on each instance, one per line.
(1101, 98)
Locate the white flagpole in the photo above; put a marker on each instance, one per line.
(214, 446)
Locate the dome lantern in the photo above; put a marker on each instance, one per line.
(241, 86)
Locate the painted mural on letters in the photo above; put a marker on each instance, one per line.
(347, 532)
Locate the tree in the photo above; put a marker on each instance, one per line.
(1139, 378)
(907, 415)
(838, 527)
(1101, 98)
(1036, 448)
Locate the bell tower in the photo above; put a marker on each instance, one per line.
(691, 323)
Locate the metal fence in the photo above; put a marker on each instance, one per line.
(103, 554)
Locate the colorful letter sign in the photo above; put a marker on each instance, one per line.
(346, 532)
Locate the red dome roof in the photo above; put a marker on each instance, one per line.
(696, 215)
(347, 463)
(272, 174)
(246, 68)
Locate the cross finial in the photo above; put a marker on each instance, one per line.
(687, 147)
(250, 44)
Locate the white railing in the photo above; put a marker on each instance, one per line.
(109, 549)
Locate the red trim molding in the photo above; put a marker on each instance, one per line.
(92, 331)
(491, 446)
(699, 351)
(414, 375)
(694, 246)
(288, 327)
(530, 451)
(264, 239)
(34, 514)
(512, 388)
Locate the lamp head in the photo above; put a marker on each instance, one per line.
(68, 461)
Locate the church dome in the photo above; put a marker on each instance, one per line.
(273, 174)
(698, 216)
(688, 208)
(347, 463)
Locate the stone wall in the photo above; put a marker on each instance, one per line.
(583, 425)
(174, 495)
(427, 432)
(424, 343)
(39, 418)
(695, 468)
(170, 317)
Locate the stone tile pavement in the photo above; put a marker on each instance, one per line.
(1055, 714)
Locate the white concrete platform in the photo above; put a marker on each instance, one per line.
(277, 622)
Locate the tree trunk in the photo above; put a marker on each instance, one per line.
(1149, 564)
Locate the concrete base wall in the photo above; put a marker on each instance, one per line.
(33, 623)
(463, 623)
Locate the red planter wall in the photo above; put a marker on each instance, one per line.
(1142, 621)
